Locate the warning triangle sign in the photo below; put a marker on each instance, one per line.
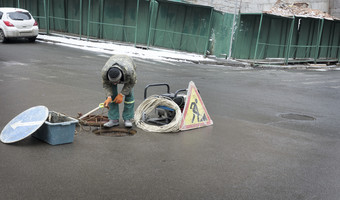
(195, 115)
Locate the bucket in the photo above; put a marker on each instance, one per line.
(57, 129)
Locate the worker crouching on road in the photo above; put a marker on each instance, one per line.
(119, 69)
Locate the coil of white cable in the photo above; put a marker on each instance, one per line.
(149, 105)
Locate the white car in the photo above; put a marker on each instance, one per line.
(17, 23)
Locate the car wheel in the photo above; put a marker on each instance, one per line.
(32, 39)
(2, 37)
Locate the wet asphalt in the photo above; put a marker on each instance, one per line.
(275, 133)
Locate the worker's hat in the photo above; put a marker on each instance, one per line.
(114, 74)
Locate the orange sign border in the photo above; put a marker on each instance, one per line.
(200, 124)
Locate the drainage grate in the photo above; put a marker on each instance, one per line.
(295, 116)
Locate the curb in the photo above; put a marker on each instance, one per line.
(226, 62)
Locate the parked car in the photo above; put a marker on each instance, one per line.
(17, 23)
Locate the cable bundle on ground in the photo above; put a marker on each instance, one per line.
(149, 105)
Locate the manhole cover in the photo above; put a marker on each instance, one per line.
(295, 116)
(93, 120)
(115, 132)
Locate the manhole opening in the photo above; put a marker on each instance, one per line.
(98, 122)
(295, 116)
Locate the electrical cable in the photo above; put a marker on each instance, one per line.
(149, 105)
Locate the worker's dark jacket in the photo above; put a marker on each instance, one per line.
(127, 66)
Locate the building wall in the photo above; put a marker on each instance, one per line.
(227, 6)
(251, 6)
(334, 6)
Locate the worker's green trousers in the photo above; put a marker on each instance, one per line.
(129, 105)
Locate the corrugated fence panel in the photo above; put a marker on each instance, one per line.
(330, 40)
(221, 34)
(94, 18)
(57, 15)
(305, 38)
(30, 5)
(245, 42)
(336, 41)
(181, 27)
(278, 38)
(308, 40)
(166, 24)
(114, 13)
(143, 22)
(117, 20)
(8, 3)
(273, 37)
(72, 15)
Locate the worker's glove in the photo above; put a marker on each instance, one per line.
(107, 102)
(118, 99)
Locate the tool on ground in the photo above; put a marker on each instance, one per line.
(164, 114)
(93, 120)
(166, 106)
(146, 120)
(101, 105)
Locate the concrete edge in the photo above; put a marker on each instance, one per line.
(226, 62)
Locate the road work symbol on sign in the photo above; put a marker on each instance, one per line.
(195, 115)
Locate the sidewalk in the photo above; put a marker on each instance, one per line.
(164, 55)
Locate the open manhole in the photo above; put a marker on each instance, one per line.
(115, 132)
(295, 116)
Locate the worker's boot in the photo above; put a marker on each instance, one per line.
(111, 123)
(128, 123)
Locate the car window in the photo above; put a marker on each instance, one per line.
(1, 14)
(19, 15)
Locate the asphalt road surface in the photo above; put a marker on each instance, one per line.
(275, 133)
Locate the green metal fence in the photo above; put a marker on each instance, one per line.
(160, 23)
(65, 16)
(221, 34)
(116, 20)
(274, 39)
(192, 28)
(180, 26)
(329, 47)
